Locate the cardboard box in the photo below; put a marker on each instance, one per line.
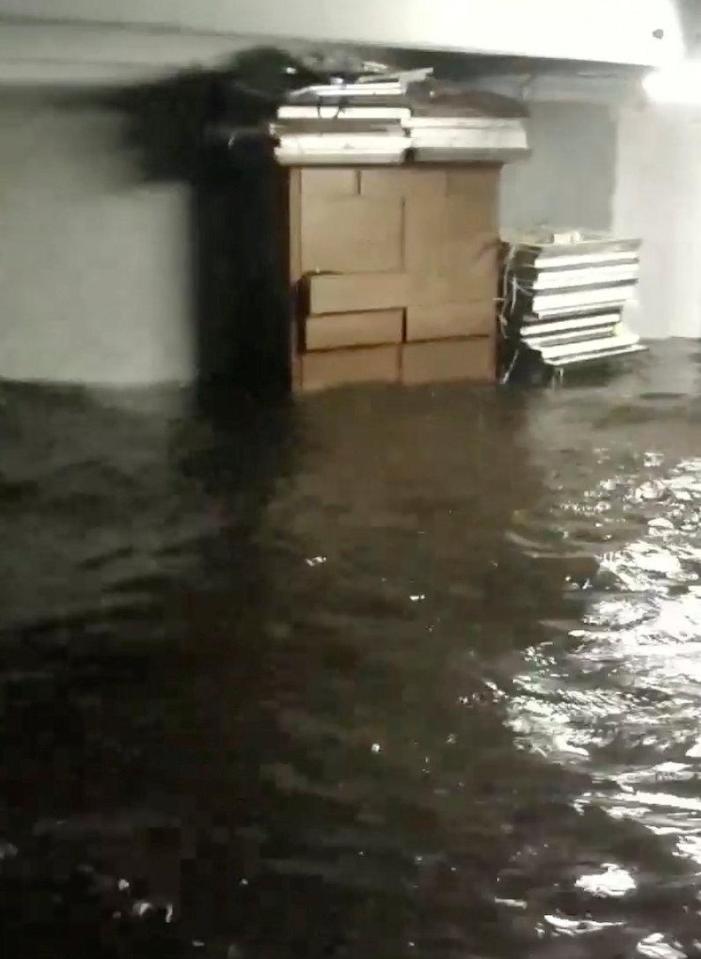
(431, 289)
(473, 360)
(466, 217)
(447, 252)
(353, 329)
(471, 262)
(356, 292)
(377, 364)
(448, 257)
(466, 271)
(351, 234)
(337, 181)
(424, 233)
(450, 320)
(404, 182)
(478, 188)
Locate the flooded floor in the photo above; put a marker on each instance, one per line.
(387, 673)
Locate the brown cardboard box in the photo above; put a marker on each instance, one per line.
(404, 182)
(431, 289)
(439, 289)
(472, 359)
(478, 186)
(471, 262)
(450, 320)
(351, 234)
(424, 233)
(420, 238)
(353, 329)
(338, 367)
(450, 252)
(467, 216)
(464, 271)
(337, 181)
(354, 292)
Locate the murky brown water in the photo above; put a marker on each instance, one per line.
(387, 674)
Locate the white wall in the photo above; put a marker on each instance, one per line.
(95, 268)
(658, 197)
(635, 170)
(569, 179)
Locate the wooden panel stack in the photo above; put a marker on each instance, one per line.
(394, 274)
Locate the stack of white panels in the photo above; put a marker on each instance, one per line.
(563, 298)
(352, 123)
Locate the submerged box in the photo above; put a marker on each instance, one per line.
(378, 364)
(353, 292)
(341, 330)
(449, 321)
(473, 360)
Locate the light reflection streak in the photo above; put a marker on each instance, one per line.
(624, 707)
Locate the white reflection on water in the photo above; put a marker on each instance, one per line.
(655, 947)
(621, 701)
(613, 882)
(578, 927)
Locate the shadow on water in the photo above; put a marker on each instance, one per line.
(382, 673)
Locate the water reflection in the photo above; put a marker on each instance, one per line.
(389, 673)
(618, 700)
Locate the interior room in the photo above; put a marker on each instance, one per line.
(349, 481)
(88, 217)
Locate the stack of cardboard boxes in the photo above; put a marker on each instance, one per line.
(394, 273)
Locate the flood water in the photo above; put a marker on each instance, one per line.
(383, 673)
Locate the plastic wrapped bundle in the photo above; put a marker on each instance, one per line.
(563, 298)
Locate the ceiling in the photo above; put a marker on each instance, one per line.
(88, 42)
